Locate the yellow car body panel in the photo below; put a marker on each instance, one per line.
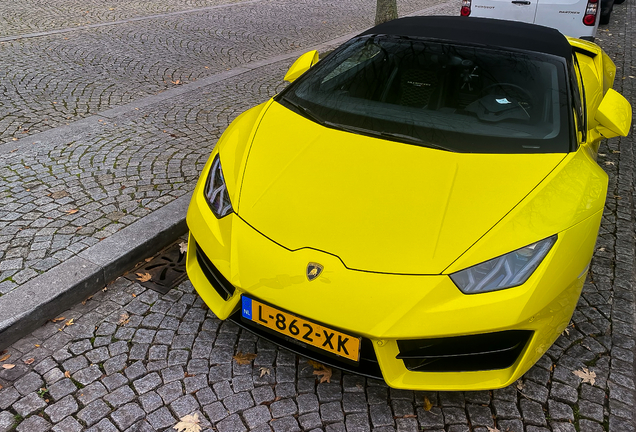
(298, 192)
(317, 196)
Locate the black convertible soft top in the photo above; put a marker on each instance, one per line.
(482, 31)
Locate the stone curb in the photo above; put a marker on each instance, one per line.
(42, 298)
(51, 293)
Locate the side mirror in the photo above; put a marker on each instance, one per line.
(301, 65)
(614, 115)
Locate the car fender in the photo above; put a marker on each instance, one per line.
(234, 146)
(570, 194)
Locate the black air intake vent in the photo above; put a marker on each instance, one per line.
(217, 280)
(464, 353)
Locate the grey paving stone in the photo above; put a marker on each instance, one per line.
(430, 420)
(93, 412)
(104, 425)
(34, 423)
(184, 405)
(285, 424)
(29, 404)
(232, 423)
(195, 383)
(161, 418)
(87, 375)
(147, 383)
(69, 424)
(6, 421)
(170, 392)
(8, 396)
(560, 411)
(91, 392)
(114, 381)
(127, 415)
(28, 383)
(62, 388)
(332, 412)
(257, 415)
(150, 401)
(238, 402)
(532, 413)
(119, 397)
(61, 409)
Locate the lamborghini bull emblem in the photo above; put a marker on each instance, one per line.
(313, 270)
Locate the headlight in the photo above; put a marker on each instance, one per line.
(506, 271)
(216, 192)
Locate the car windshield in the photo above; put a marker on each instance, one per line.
(459, 98)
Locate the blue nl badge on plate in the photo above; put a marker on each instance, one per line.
(246, 307)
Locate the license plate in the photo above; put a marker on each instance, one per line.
(301, 329)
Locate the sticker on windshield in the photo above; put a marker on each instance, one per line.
(503, 101)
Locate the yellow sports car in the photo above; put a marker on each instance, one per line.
(420, 206)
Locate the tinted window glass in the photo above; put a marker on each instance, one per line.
(460, 98)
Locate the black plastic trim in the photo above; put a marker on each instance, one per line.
(490, 351)
(221, 285)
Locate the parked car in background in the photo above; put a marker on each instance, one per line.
(421, 206)
(575, 18)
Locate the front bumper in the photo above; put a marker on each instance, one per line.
(393, 313)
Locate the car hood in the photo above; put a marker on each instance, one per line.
(378, 205)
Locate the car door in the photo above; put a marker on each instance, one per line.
(515, 10)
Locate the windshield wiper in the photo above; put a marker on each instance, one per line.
(391, 135)
(305, 112)
(412, 140)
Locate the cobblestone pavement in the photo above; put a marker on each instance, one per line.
(60, 196)
(134, 360)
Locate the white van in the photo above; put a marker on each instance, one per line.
(576, 18)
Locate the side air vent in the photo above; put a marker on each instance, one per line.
(217, 280)
(464, 353)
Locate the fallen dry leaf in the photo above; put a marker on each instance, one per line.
(123, 319)
(324, 374)
(148, 259)
(5, 357)
(189, 423)
(519, 384)
(244, 358)
(315, 364)
(87, 299)
(29, 361)
(492, 429)
(586, 375)
(73, 211)
(143, 277)
(1, 387)
(264, 371)
(427, 404)
(67, 374)
(177, 82)
(183, 247)
(409, 416)
(321, 371)
(58, 319)
(8, 366)
(609, 163)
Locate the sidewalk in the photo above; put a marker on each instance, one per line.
(67, 189)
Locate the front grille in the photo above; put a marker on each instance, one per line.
(221, 285)
(367, 366)
(464, 353)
